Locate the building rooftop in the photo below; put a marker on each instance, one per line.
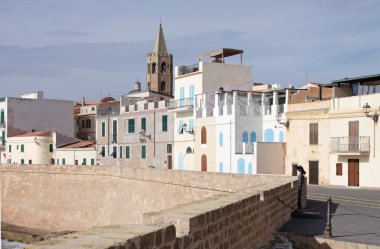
(80, 144)
(36, 134)
(221, 53)
(369, 80)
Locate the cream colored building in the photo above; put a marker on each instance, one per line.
(78, 153)
(31, 148)
(334, 139)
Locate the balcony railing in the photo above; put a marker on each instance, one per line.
(245, 148)
(350, 144)
(114, 138)
(182, 70)
(181, 103)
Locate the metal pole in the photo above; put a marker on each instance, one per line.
(328, 227)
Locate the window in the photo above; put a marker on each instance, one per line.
(103, 129)
(103, 151)
(114, 152)
(22, 148)
(153, 67)
(10, 148)
(164, 122)
(180, 127)
(313, 133)
(143, 124)
(88, 123)
(253, 137)
(245, 137)
(76, 162)
(203, 135)
(92, 161)
(339, 169)
(84, 161)
(191, 94)
(131, 126)
(50, 148)
(121, 152)
(30, 161)
(57, 161)
(162, 86)
(63, 161)
(168, 148)
(143, 151)
(191, 126)
(83, 123)
(163, 67)
(114, 131)
(189, 150)
(22, 161)
(52, 161)
(127, 152)
(220, 139)
(182, 96)
(294, 169)
(2, 117)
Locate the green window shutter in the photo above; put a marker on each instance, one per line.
(121, 152)
(143, 124)
(22, 161)
(84, 161)
(50, 148)
(2, 119)
(63, 161)
(165, 123)
(127, 152)
(22, 148)
(92, 161)
(131, 126)
(103, 129)
(143, 151)
(10, 148)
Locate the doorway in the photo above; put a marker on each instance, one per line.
(313, 172)
(204, 162)
(353, 172)
(353, 135)
(170, 162)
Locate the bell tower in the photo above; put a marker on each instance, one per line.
(159, 75)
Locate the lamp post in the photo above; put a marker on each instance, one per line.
(366, 111)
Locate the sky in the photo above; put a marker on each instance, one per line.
(72, 49)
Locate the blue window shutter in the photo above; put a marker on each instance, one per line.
(182, 96)
(245, 137)
(220, 139)
(253, 137)
(191, 126)
(180, 127)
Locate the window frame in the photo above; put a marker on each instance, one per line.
(164, 123)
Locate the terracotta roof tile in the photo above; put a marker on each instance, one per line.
(36, 134)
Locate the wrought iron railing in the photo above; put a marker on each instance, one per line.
(180, 103)
(350, 144)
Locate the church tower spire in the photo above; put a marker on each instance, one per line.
(160, 67)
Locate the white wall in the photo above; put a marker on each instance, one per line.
(70, 155)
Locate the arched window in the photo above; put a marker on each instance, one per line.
(181, 161)
(281, 136)
(189, 150)
(253, 137)
(241, 166)
(220, 139)
(204, 162)
(268, 135)
(250, 168)
(245, 137)
(163, 67)
(163, 86)
(148, 68)
(153, 67)
(220, 167)
(203, 135)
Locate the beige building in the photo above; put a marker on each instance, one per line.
(335, 140)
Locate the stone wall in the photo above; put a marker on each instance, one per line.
(208, 210)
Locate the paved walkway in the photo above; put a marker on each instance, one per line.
(356, 214)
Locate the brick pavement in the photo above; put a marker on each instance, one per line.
(353, 222)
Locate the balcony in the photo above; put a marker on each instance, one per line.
(179, 105)
(350, 145)
(182, 70)
(114, 138)
(244, 148)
